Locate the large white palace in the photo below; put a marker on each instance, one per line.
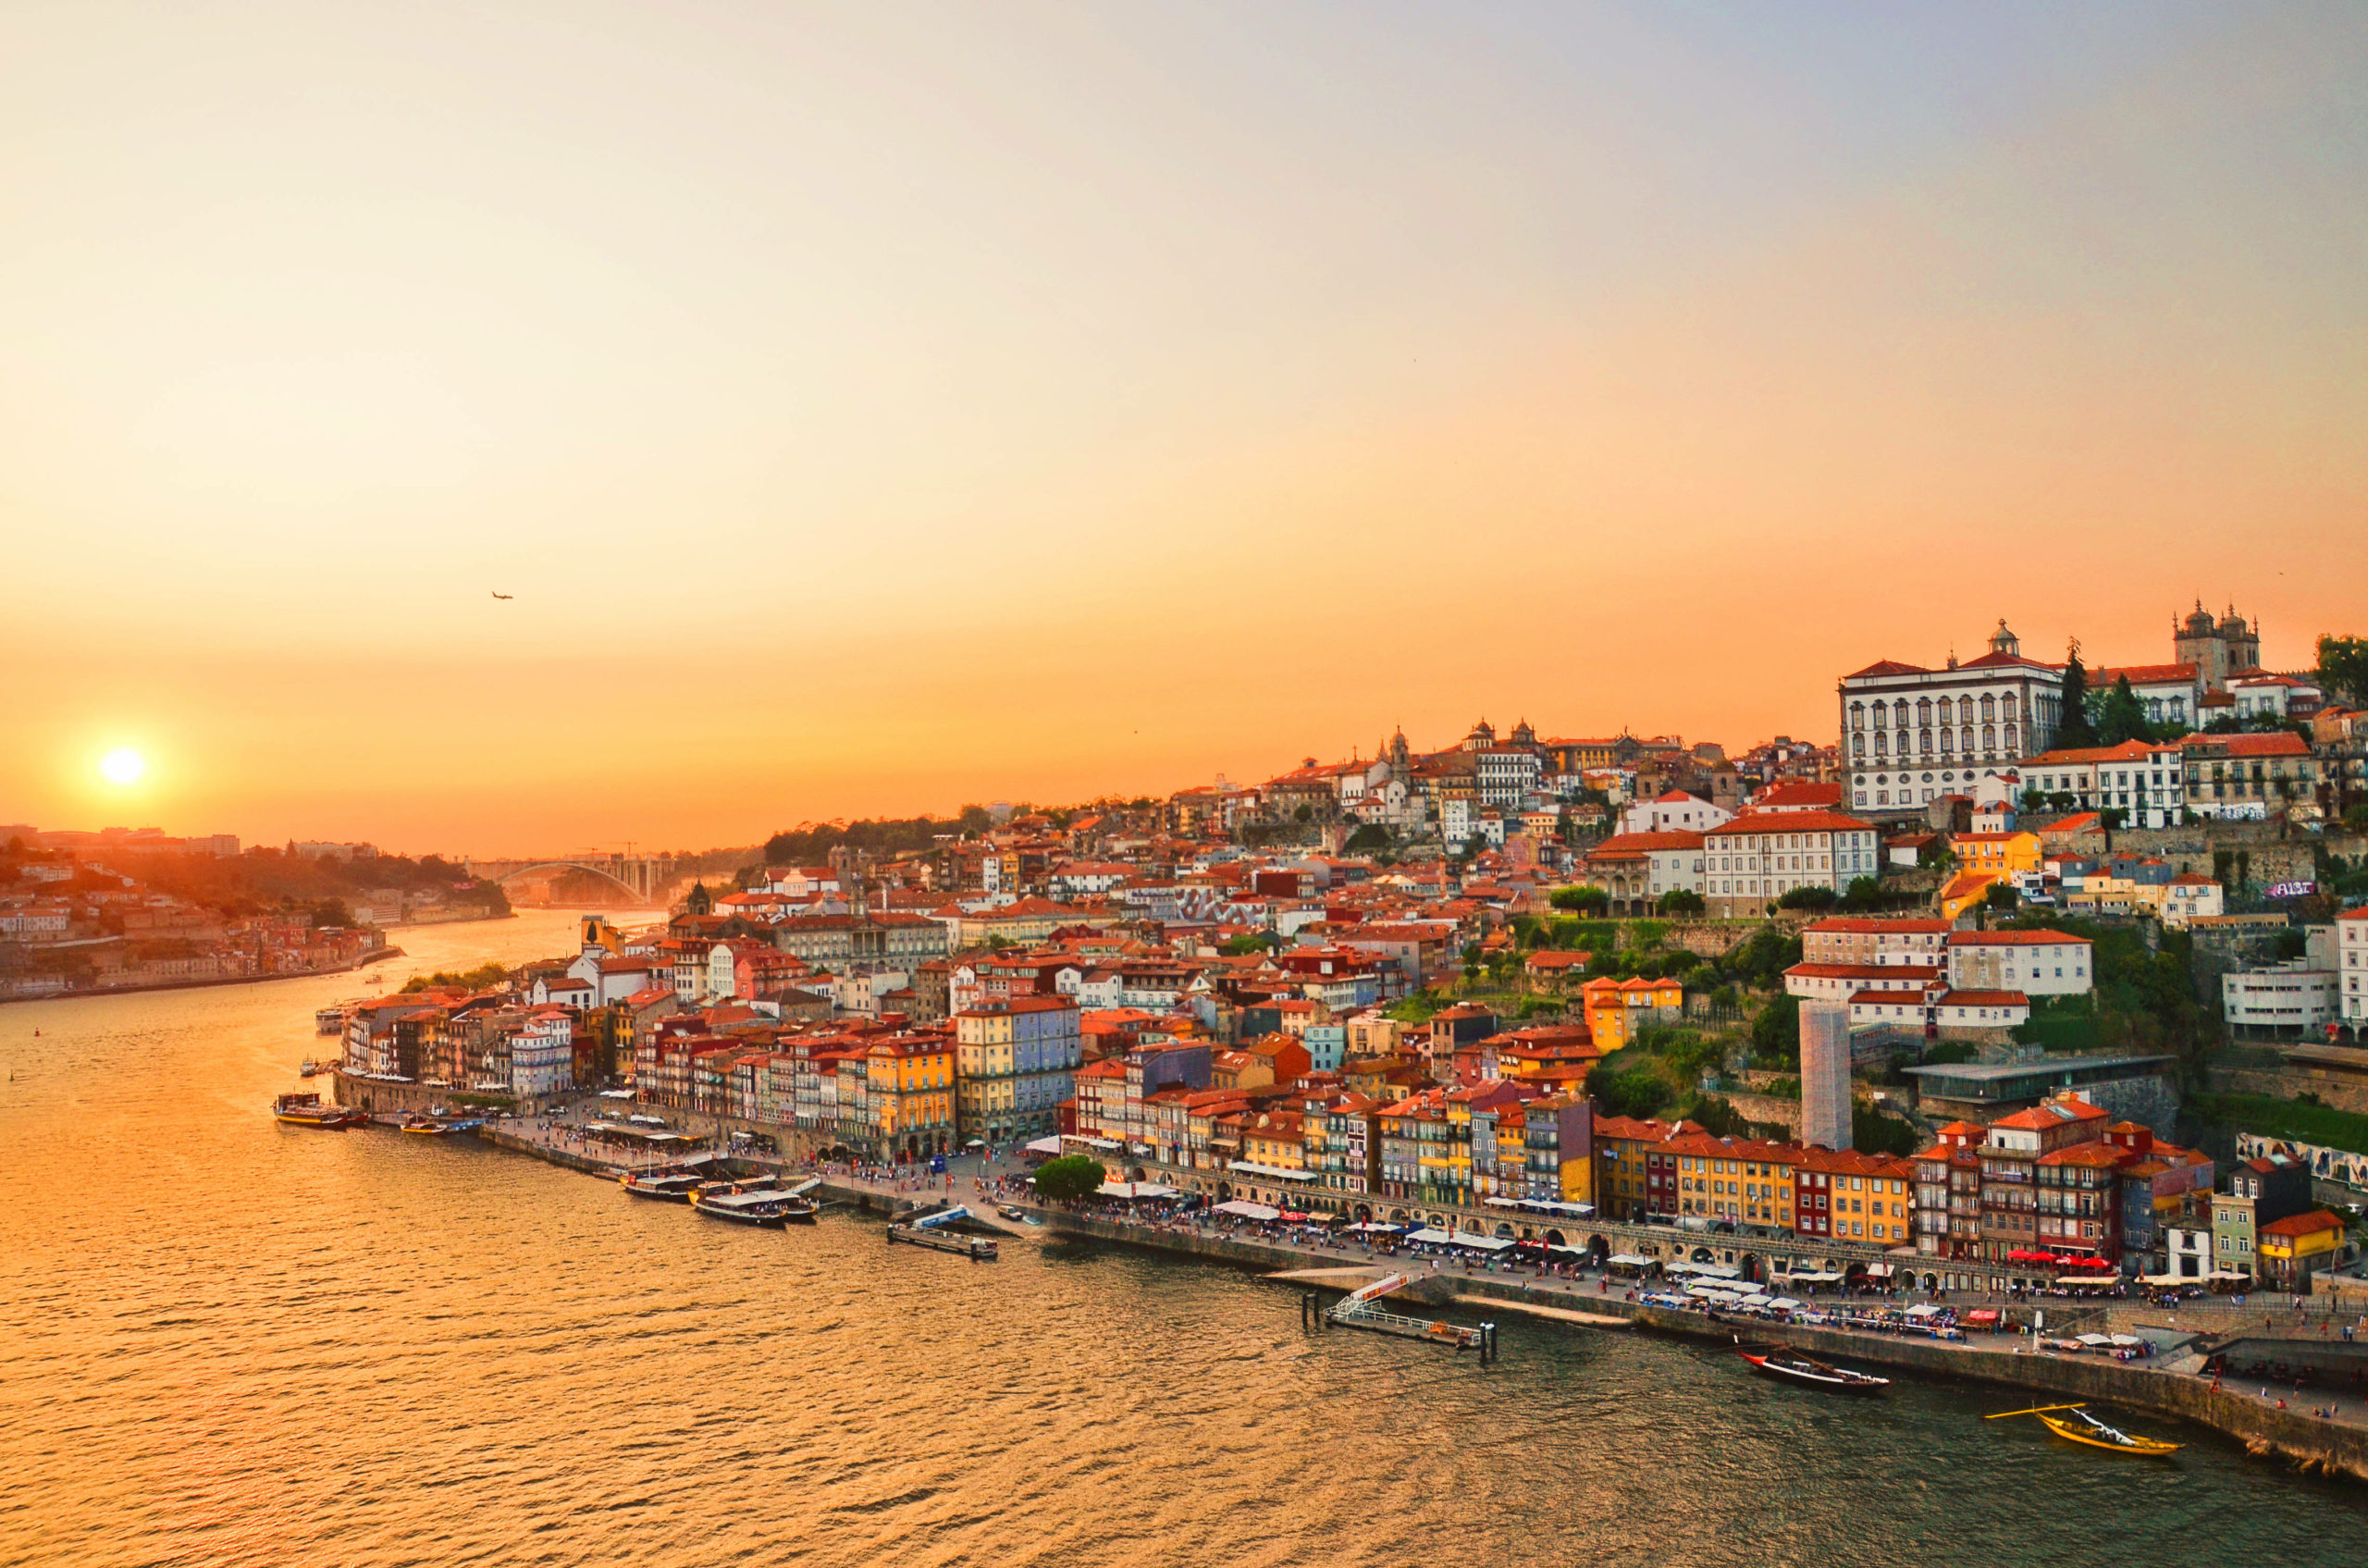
(1910, 735)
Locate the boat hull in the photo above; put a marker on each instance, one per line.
(2137, 1448)
(1803, 1377)
(322, 1123)
(657, 1194)
(761, 1221)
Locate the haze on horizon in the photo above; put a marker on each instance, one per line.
(874, 409)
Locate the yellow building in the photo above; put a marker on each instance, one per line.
(1739, 1180)
(910, 1083)
(2291, 1250)
(1998, 853)
(1606, 1013)
(1277, 1141)
(1964, 891)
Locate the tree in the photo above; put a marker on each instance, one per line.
(1818, 898)
(331, 912)
(1681, 901)
(1582, 900)
(2343, 666)
(2355, 818)
(2073, 729)
(1777, 1030)
(2034, 798)
(2120, 716)
(2001, 895)
(1864, 893)
(1070, 1178)
(1638, 1092)
(1871, 1132)
(1246, 944)
(1371, 835)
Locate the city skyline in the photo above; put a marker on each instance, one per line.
(886, 411)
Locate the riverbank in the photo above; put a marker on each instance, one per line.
(2338, 1447)
(375, 956)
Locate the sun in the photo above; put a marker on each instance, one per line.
(123, 767)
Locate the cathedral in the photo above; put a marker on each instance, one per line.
(2219, 649)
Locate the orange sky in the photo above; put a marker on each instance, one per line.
(874, 408)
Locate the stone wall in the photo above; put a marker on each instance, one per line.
(2345, 1092)
(2270, 855)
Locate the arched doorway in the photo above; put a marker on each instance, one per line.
(1599, 1247)
(1704, 1255)
(1753, 1269)
(1135, 1173)
(1504, 1233)
(1554, 1239)
(1398, 1216)
(1365, 1214)
(1224, 1192)
(1932, 1283)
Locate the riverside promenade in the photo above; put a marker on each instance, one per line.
(2269, 1420)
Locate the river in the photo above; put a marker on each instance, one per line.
(227, 1341)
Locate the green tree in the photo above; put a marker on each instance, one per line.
(2001, 895)
(1637, 1092)
(2355, 818)
(2073, 729)
(331, 912)
(1872, 1133)
(1681, 901)
(1776, 1032)
(1372, 835)
(2343, 666)
(1068, 1178)
(2120, 716)
(1246, 944)
(1718, 1117)
(1864, 893)
(1818, 898)
(1582, 900)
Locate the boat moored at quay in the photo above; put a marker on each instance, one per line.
(664, 1187)
(1784, 1364)
(310, 1110)
(765, 1207)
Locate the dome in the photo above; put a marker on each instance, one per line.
(2198, 622)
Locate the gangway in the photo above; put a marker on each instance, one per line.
(1360, 1309)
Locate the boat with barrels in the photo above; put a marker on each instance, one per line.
(1786, 1365)
(310, 1110)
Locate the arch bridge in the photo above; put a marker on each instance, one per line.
(646, 878)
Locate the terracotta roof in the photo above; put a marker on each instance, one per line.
(1791, 821)
(1985, 999)
(1861, 925)
(2301, 1225)
(2013, 939)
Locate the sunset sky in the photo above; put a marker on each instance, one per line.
(874, 408)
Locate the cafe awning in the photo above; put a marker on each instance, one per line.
(1459, 1239)
(1246, 1210)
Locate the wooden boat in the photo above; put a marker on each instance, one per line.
(421, 1126)
(1788, 1366)
(766, 1206)
(307, 1110)
(665, 1187)
(2080, 1427)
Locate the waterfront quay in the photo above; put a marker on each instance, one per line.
(1856, 1321)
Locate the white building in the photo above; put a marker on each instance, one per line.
(2351, 967)
(1749, 863)
(2038, 963)
(2293, 995)
(1675, 811)
(542, 1055)
(2145, 780)
(1505, 775)
(1910, 735)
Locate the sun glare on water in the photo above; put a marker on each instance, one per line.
(123, 767)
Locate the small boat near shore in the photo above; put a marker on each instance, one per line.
(2074, 1423)
(765, 1207)
(309, 1110)
(425, 1127)
(1786, 1365)
(664, 1186)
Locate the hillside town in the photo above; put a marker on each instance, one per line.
(1950, 991)
(137, 909)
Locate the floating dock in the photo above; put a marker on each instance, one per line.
(930, 1230)
(1360, 1309)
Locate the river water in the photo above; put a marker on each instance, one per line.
(225, 1342)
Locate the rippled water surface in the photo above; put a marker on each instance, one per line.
(227, 1341)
